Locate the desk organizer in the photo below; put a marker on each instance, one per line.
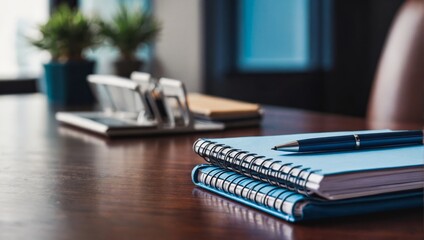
(138, 106)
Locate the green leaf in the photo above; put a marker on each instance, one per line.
(129, 29)
(66, 34)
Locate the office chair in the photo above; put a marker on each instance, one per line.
(397, 95)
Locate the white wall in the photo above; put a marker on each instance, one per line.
(178, 49)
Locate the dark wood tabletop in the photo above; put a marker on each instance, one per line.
(58, 182)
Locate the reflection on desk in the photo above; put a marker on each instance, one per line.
(237, 213)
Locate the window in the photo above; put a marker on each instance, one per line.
(328, 65)
(278, 36)
(273, 50)
(18, 21)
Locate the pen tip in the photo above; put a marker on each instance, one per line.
(288, 147)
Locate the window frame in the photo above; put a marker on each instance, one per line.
(342, 84)
(223, 78)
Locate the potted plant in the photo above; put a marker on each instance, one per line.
(65, 36)
(127, 31)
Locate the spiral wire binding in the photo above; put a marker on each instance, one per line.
(252, 163)
(256, 194)
(243, 169)
(268, 194)
(232, 182)
(234, 161)
(250, 189)
(255, 166)
(288, 178)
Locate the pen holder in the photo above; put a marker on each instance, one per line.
(143, 100)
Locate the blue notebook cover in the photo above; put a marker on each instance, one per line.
(292, 206)
(363, 172)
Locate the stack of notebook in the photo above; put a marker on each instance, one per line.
(304, 186)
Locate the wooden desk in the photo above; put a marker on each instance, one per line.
(60, 183)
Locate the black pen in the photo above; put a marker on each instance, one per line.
(354, 141)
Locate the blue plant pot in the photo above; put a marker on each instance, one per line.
(66, 83)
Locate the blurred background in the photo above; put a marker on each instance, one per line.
(319, 55)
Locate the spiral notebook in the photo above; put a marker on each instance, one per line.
(292, 206)
(331, 175)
